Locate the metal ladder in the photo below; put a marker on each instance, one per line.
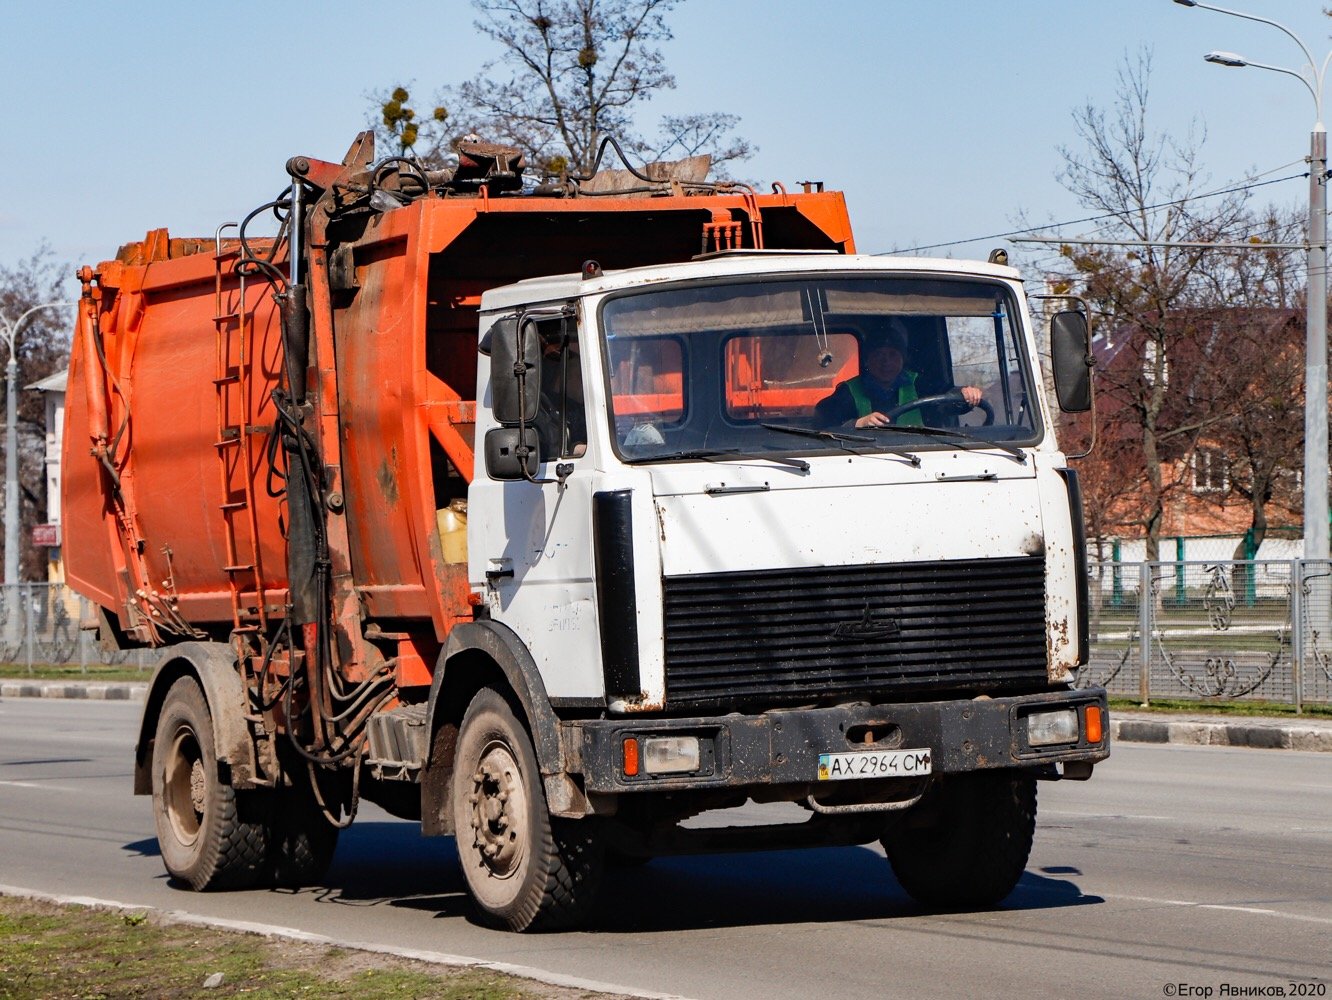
(235, 453)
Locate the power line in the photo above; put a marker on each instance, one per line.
(1095, 218)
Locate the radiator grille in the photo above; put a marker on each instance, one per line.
(784, 637)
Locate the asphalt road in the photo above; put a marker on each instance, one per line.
(1173, 868)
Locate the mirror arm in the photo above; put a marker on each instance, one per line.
(1089, 360)
(1091, 413)
(522, 451)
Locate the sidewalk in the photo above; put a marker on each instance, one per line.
(1192, 729)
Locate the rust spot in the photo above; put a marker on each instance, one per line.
(387, 479)
(1056, 641)
(1034, 545)
(644, 704)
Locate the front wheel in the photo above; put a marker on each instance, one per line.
(973, 848)
(211, 837)
(525, 870)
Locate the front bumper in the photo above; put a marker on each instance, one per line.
(783, 746)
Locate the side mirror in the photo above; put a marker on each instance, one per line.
(1071, 358)
(507, 451)
(514, 379)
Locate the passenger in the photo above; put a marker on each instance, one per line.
(884, 382)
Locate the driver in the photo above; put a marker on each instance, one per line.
(883, 383)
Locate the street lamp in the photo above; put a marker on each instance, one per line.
(9, 334)
(1315, 345)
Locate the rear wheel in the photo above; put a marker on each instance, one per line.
(211, 836)
(972, 851)
(301, 840)
(525, 870)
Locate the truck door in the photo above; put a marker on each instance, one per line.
(535, 538)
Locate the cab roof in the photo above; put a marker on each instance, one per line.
(562, 287)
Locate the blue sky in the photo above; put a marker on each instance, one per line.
(941, 121)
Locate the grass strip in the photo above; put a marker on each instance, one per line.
(1199, 706)
(96, 673)
(58, 952)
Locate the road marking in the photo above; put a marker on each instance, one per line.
(1240, 909)
(1085, 815)
(1257, 911)
(294, 934)
(44, 788)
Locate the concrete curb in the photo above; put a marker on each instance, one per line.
(1257, 733)
(83, 690)
(1125, 727)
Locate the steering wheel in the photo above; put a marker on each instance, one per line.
(952, 399)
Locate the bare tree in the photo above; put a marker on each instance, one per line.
(1147, 184)
(1264, 438)
(42, 348)
(571, 73)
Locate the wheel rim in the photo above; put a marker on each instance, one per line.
(185, 786)
(498, 812)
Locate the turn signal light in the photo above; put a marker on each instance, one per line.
(630, 757)
(1095, 731)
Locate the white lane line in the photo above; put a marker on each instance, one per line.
(41, 787)
(1256, 911)
(1240, 909)
(294, 934)
(1087, 815)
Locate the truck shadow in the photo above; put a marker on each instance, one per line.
(390, 863)
(828, 885)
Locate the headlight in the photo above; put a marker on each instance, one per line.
(670, 754)
(1048, 728)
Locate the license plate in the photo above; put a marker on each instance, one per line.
(874, 764)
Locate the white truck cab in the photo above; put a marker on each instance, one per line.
(752, 554)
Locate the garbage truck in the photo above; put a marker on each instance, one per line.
(554, 515)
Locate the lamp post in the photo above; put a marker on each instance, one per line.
(9, 334)
(1315, 345)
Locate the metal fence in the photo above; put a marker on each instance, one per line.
(1258, 630)
(1215, 631)
(39, 626)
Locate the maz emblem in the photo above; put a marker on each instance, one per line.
(868, 627)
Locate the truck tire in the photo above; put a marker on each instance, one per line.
(211, 837)
(974, 851)
(301, 841)
(525, 869)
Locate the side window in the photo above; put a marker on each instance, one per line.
(561, 422)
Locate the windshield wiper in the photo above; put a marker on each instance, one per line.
(843, 440)
(726, 455)
(813, 432)
(958, 435)
(709, 454)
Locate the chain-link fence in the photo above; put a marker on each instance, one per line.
(1256, 630)
(39, 626)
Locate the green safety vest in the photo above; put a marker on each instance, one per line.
(906, 393)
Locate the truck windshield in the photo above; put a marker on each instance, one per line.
(730, 366)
